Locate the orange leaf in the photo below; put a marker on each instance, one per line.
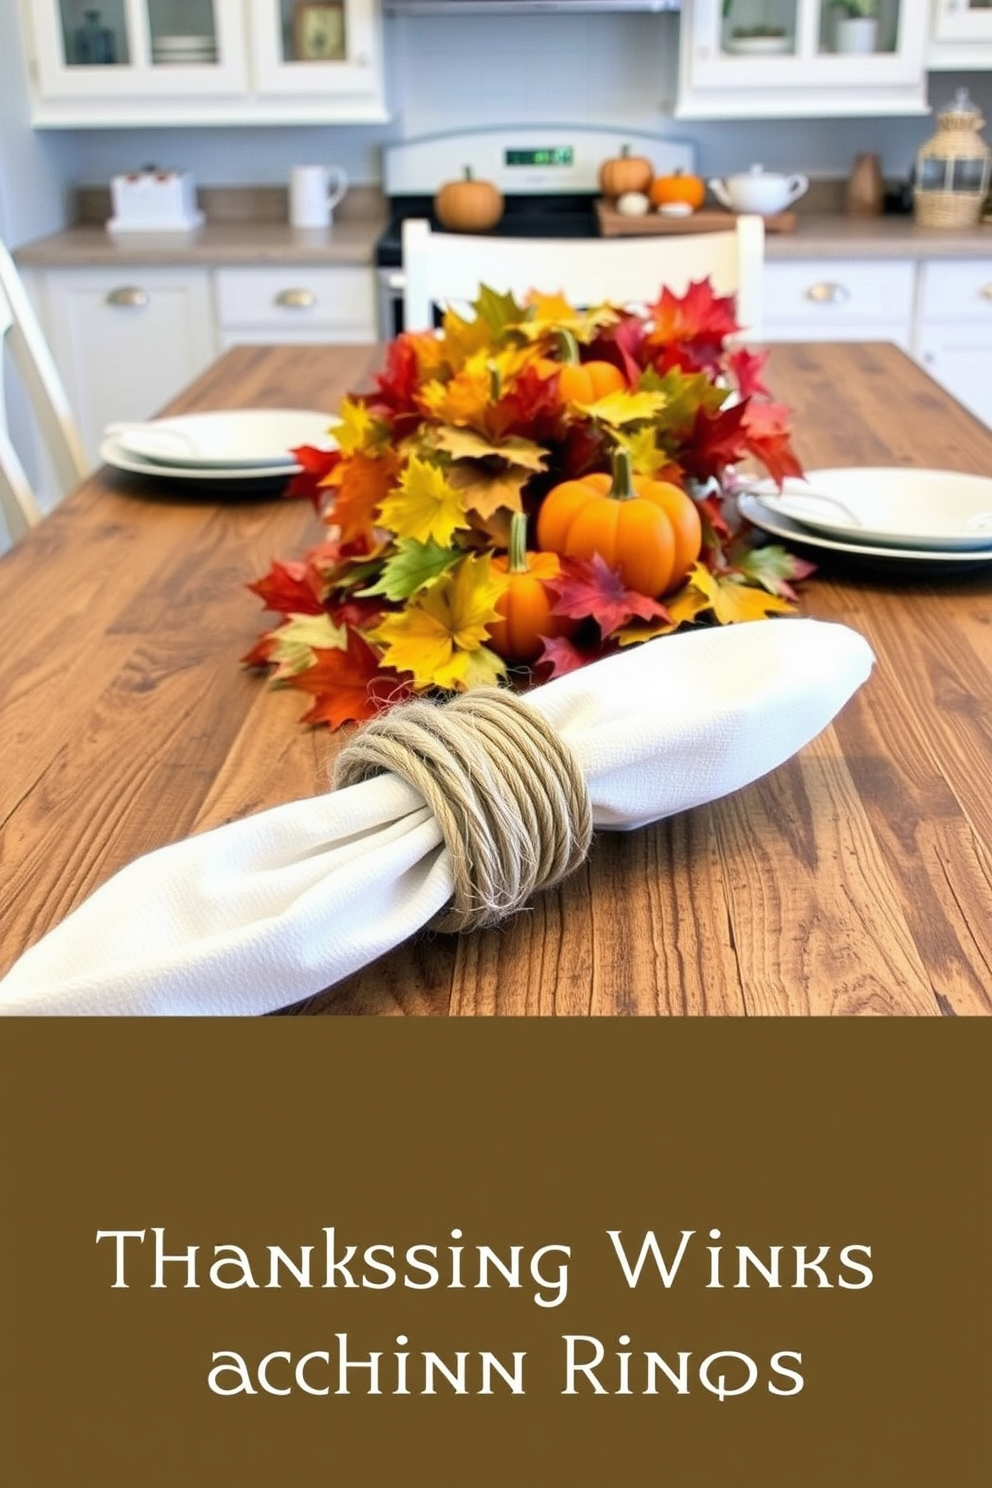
(349, 686)
(361, 485)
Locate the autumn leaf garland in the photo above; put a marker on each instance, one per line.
(469, 426)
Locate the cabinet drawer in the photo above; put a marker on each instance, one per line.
(293, 298)
(821, 293)
(953, 291)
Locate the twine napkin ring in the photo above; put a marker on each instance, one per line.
(507, 792)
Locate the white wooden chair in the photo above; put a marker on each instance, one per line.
(447, 268)
(22, 335)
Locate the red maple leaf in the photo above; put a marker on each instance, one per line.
(561, 655)
(716, 440)
(592, 590)
(626, 343)
(766, 430)
(260, 654)
(317, 465)
(698, 315)
(397, 384)
(530, 407)
(746, 368)
(349, 686)
(289, 588)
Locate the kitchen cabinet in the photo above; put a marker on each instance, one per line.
(295, 306)
(953, 338)
(840, 300)
(961, 35)
(123, 63)
(125, 340)
(774, 58)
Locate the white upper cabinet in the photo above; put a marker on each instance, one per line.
(119, 63)
(771, 58)
(961, 35)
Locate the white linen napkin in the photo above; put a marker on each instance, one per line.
(261, 913)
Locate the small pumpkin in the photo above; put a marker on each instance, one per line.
(649, 530)
(678, 187)
(468, 205)
(625, 172)
(525, 604)
(584, 382)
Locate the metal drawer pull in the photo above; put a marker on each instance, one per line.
(296, 299)
(828, 294)
(986, 291)
(130, 297)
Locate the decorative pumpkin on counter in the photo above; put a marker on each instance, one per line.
(624, 173)
(647, 529)
(468, 205)
(525, 604)
(678, 187)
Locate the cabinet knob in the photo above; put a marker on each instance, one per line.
(827, 294)
(986, 291)
(130, 297)
(296, 299)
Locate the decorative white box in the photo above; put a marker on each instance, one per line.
(153, 201)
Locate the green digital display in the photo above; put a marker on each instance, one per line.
(555, 155)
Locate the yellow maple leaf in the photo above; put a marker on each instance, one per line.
(424, 505)
(732, 601)
(467, 444)
(553, 313)
(358, 430)
(622, 407)
(645, 456)
(463, 338)
(294, 643)
(440, 635)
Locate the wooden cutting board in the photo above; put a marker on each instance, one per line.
(613, 224)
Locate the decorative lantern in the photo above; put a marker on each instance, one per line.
(953, 169)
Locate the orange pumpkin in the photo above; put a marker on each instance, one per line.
(525, 604)
(625, 172)
(649, 530)
(584, 382)
(678, 187)
(468, 205)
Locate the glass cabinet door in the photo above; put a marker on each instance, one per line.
(767, 57)
(963, 20)
(309, 47)
(96, 48)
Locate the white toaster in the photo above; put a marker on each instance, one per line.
(153, 200)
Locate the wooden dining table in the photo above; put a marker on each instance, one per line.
(854, 879)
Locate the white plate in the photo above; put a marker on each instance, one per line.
(242, 439)
(111, 453)
(892, 507)
(756, 512)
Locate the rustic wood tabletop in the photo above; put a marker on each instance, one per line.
(855, 879)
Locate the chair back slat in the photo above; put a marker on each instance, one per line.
(448, 268)
(22, 337)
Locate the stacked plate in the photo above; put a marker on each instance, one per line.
(246, 447)
(184, 51)
(893, 517)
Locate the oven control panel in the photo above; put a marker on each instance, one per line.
(523, 159)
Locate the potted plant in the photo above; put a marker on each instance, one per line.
(761, 37)
(857, 25)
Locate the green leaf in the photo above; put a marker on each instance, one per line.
(414, 565)
(498, 311)
(773, 567)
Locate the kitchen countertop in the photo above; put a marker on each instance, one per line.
(352, 239)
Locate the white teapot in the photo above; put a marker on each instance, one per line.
(758, 190)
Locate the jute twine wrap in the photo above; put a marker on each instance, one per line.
(507, 793)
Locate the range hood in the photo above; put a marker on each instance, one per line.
(521, 7)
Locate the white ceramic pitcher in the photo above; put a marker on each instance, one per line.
(314, 192)
(758, 191)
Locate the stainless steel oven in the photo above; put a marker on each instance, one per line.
(548, 175)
